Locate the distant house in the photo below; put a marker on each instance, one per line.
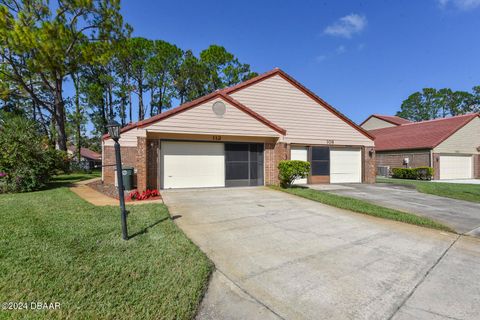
(89, 159)
(450, 145)
(377, 121)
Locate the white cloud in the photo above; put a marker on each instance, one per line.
(341, 49)
(460, 4)
(347, 26)
(320, 58)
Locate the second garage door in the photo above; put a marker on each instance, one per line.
(193, 164)
(455, 167)
(345, 166)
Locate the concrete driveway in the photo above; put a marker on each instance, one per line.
(279, 256)
(462, 216)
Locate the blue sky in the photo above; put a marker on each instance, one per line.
(362, 57)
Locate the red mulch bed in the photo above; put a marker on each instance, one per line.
(111, 191)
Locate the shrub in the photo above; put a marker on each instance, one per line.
(420, 173)
(26, 159)
(290, 170)
(424, 173)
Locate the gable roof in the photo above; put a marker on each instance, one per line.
(419, 135)
(390, 119)
(86, 153)
(225, 95)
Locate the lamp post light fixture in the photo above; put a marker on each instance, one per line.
(113, 128)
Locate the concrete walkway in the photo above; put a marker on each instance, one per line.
(279, 256)
(99, 199)
(462, 216)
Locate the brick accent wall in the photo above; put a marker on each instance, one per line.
(419, 158)
(436, 166)
(476, 166)
(141, 164)
(128, 155)
(369, 165)
(274, 153)
(153, 179)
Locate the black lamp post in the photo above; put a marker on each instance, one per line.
(114, 132)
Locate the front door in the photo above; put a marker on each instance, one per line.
(243, 164)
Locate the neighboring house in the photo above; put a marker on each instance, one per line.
(450, 145)
(377, 121)
(89, 159)
(237, 136)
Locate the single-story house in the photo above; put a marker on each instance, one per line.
(89, 159)
(237, 136)
(377, 121)
(450, 145)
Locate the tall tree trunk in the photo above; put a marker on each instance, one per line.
(141, 111)
(110, 101)
(78, 118)
(104, 114)
(60, 117)
(130, 106)
(151, 102)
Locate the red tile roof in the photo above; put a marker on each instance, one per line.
(391, 119)
(86, 153)
(225, 94)
(419, 135)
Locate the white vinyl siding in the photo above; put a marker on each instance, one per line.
(466, 140)
(192, 164)
(305, 120)
(345, 166)
(202, 120)
(455, 167)
(376, 123)
(299, 153)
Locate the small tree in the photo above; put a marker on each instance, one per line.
(291, 170)
(26, 160)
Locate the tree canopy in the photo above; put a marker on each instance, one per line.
(70, 65)
(431, 103)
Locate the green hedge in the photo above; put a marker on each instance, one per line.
(420, 173)
(290, 170)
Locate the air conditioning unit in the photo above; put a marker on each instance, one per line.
(383, 171)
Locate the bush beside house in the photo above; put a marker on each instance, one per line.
(420, 173)
(27, 162)
(291, 170)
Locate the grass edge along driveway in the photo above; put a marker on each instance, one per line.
(55, 247)
(459, 191)
(363, 207)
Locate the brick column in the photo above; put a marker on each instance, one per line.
(141, 164)
(476, 166)
(436, 166)
(369, 165)
(274, 153)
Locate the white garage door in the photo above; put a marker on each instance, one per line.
(455, 167)
(345, 166)
(299, 153)
(193, 164)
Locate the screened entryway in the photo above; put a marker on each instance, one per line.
(243, 164)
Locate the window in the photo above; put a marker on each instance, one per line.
(320, 161)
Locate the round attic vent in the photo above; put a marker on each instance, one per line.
(219, 108)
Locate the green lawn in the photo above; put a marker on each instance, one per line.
(467, 192)
(364, 207)
(55, 247)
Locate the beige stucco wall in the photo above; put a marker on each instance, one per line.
(305, 120)
(375, 123)
(129, 138)
(202, 120)
(466, 140)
